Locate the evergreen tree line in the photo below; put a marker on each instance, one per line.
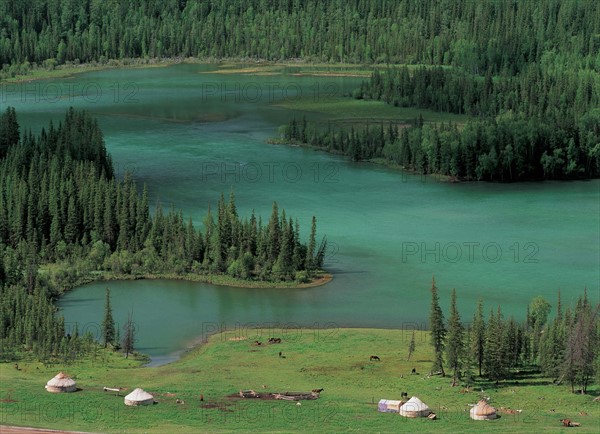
(509, 147)
(565, 348)
(543, 90)
(482, 36)
(61, 204)
(543, 123)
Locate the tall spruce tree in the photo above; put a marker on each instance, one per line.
(582, 345)
(108, 323)
(312, 245)
(478, 336)
(454, 340)
(495, 361)
(128, 344)
(438, 330)
(9, 130)
(411, 346)
(552, 345)
(538, 311)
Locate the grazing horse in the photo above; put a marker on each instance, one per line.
(569, 423)
(317, 390)
(274, 340)
(258, 342)
(375, 358)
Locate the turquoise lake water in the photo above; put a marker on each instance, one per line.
(190, 134)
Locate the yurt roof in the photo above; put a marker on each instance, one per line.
(414, 404)
(139, 395)
(484, 409)
(61, 380)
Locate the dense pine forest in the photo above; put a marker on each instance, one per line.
(63, 210)
(482, 36)
(507, 148)
(542, 123)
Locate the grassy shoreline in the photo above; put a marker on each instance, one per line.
(335, 359)
(320, 279)
(69, 280)
(226, 66)
(66, 71)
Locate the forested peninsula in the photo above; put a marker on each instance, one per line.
(66, 219)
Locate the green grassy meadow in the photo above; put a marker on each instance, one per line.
(334, 359)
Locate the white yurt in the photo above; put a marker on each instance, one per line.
(61, 383)
(483, 411)
(414, 407)
(139, 397)
(389, 406)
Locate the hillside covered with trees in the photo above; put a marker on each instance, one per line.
(479, 37)
(541, 121)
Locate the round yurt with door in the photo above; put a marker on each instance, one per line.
(414, 407)
(483, 411)
(139, 397)
(61, 383)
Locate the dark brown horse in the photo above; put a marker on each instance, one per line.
(374, 358)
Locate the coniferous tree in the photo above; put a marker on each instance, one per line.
(552, 345)
(538, 311)
(118, 339)
(411, 346)
(477, 346)
(495, 352)
(312, 245)
(128, 343)
(582, 345)
(274, 234)
(108, 323)
(454, 340)
(9, 130)
(469, 360)
(438, 330)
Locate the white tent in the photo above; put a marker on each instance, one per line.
(139, 397)
(389, 406)
(414, 407)
(483, 411)
(61, 383)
